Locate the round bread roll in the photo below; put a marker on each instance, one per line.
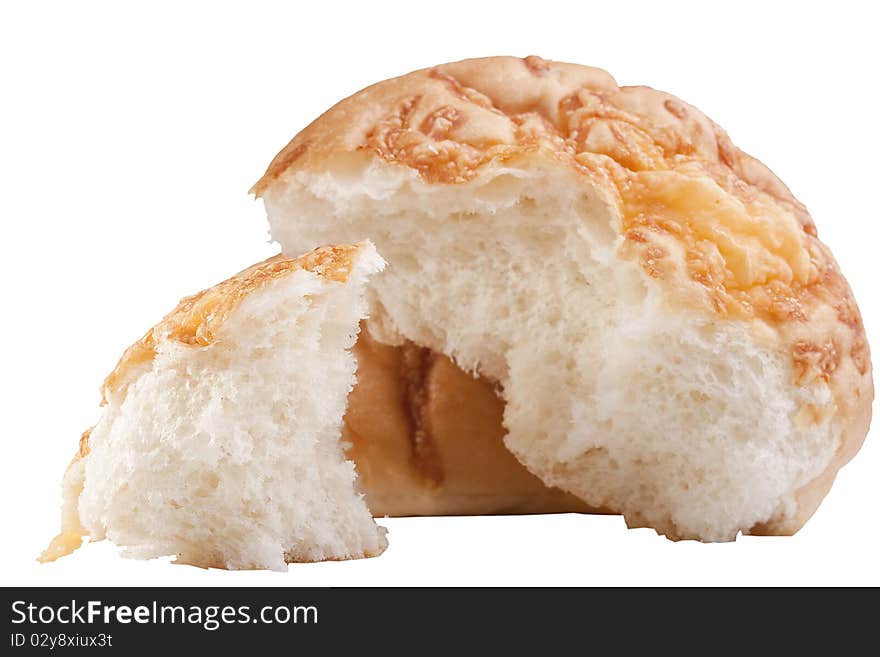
(670, 338)
(219, 442)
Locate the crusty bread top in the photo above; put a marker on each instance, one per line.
(197, 318)
(712, 222)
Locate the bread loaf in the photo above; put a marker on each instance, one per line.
(670, 338)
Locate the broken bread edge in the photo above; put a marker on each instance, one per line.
(198, 324)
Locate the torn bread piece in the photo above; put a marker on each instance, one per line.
(220, 438)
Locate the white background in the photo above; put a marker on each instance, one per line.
(130, 137)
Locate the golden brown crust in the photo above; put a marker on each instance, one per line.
(716, 226)
(197, 318)
(416, 367)
(452, 459)
(72, 532)
(84, 443)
